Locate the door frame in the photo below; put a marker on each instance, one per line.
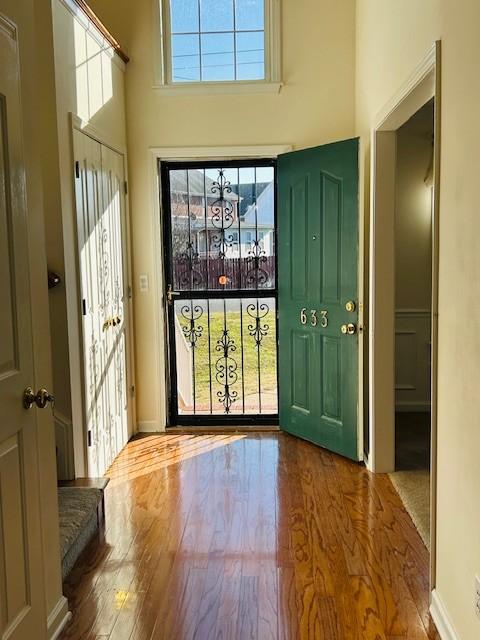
(423, 85)
(180, 154)
(174, 418)
(80, 435)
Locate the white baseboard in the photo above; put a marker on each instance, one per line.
(58, 618)
(441, 618)
(150, 426)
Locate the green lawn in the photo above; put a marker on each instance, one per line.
(267, 353)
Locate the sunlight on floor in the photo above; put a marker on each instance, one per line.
(152, 453)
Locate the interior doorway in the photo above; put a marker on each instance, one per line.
(413, 308)
(388, 385)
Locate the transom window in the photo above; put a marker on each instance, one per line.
(229, 41)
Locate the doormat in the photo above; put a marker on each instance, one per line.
(413, 487)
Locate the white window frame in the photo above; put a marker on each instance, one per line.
(270, 84)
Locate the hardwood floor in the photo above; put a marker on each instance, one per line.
(258, 536)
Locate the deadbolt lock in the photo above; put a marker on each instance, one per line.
(350, 306)
(349, 329)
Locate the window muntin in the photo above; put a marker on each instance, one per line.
(217, 40)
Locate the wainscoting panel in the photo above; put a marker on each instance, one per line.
(412, 359)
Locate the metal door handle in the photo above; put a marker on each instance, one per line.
(171, 294)
(349, 329)
(41, 398)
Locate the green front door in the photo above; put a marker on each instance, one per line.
(318, 295)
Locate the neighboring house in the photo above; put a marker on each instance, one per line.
(243, 225)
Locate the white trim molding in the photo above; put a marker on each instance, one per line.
(89, 26)
(219, 153)
(411, 96)
(441, 618)
(58, 618)
(215, 88)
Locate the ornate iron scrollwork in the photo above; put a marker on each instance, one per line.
(258, 330)
(192, 331)
(226, 368)
(255, 274)
(222, 215)
(190, 276)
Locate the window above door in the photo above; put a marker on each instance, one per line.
(219, 46)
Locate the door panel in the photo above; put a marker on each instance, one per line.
(318, 263)
(300, 371)
(100, 202)
(22, 612)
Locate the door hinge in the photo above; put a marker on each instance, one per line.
(126, 187)
(77, 169)
(84, 307)
(132, 390)
(129, 291)
(89, 438)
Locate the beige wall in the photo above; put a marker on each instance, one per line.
(90, 84)
(392, 38)
(316, 105)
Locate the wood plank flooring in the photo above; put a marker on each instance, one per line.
(258, 536)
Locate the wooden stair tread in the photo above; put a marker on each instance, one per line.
(91, 483)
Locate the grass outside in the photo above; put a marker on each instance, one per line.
(247, 383)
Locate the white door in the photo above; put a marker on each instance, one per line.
(22, 612)
(100, 201)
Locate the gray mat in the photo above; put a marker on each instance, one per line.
(77, 509)
(413, 487)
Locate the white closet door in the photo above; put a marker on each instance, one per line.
(113, 189)
(101, 231)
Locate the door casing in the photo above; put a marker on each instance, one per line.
(159, 346)
(423, 85)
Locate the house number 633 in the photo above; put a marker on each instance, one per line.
(314, 317)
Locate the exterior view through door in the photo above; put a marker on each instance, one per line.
(220, 268)
(318, 295)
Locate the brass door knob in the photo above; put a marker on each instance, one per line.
(41, 398)
(349, 329)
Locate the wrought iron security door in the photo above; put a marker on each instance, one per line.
(220, 268)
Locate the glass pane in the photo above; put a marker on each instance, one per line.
(184, 16)
(189, 232)
(185, 58)
(230, 243)
(249, 14)
(250, 55)
(226, 356)
(217, 57)
(216, 15)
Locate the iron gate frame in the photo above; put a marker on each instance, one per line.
(174, 418)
